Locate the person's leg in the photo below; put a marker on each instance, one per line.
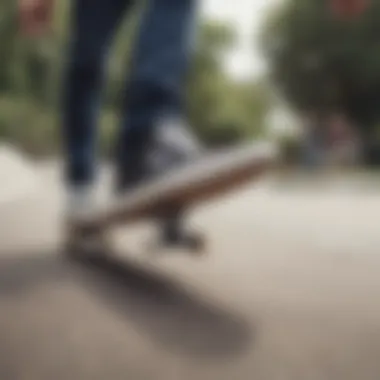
(154, 107)
(93, 25)
(160, 61)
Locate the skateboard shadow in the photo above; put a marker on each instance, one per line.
(22, 271)
(173, 317)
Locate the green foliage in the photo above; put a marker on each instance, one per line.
(321, 63)
(220, 110)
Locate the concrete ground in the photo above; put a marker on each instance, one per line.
(289, 289)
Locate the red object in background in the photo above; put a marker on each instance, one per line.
(35, 16)
(348, 9)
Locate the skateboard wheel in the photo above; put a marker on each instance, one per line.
(190, 240)
(197, 244)
(86, 243)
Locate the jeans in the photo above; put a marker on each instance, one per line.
(155, 84)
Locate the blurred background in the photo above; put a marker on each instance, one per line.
(285, 70)
(289, 287)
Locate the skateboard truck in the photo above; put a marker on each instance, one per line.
(191, 241)
(81, 240)
(178, 236)
(174, 234)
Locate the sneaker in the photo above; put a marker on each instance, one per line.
(79, 242)
(169, 146)
(80, 203)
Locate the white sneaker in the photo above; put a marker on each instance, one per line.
(81, 202)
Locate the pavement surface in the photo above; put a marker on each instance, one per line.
(289, 289)
(17, 174)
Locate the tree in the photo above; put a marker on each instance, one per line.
(220, 110)
(320, 63)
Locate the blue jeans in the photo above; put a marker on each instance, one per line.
(154, 88)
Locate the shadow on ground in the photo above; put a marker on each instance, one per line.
(174, 317)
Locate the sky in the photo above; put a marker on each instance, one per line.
(246, 16)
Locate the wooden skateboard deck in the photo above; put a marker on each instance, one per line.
(186, 187)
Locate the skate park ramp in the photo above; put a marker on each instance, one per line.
(18, 174)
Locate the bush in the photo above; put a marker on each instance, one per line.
(28, 126)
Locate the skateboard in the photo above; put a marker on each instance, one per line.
(181, 189)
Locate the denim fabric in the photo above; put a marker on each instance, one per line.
(154, 85)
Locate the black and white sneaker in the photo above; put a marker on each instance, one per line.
(154, 153)
(151, 156)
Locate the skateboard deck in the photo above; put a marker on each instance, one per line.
(186, 187)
